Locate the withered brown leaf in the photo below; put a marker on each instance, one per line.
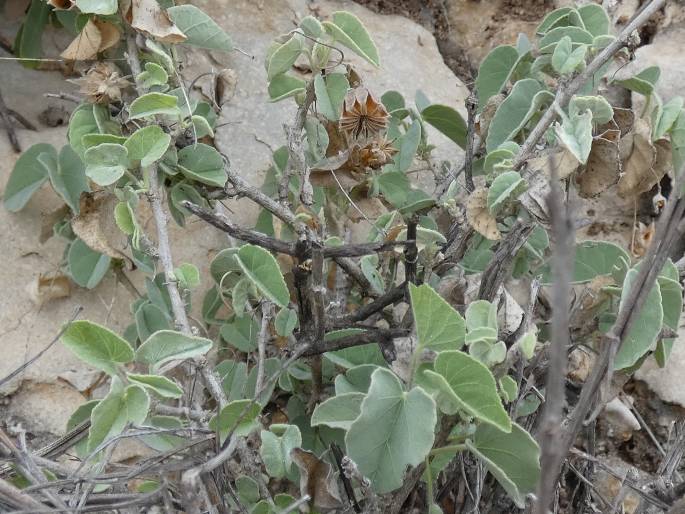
(86, 45)
(317, 479)
(603, 166)
(102, 83)
(639, 173)
(479, 217)
(48, 287)
(149, 18)
(95, 224)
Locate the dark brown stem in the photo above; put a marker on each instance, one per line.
(501, 264)
(368, 337)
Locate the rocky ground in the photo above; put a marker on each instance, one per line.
(432, 45)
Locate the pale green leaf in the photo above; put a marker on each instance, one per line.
(67, 175)
(394, 186)
(97, 345)
(81, 123)
(150, 319)
(27, 177)
(512, 113)
(285, 322)
(201, 126)
(147, 144)
(106, 163)
(527, 344)
(669, 114)
(481, 313)
(646, 327)
(575, 133)
(86, 266)
(168, 345)
(644, 82)
(593, 258)
(241, 333)
(285, 56)
(473, 386)
(284, 86)
(163, 386)
(578, 37)
(504, 189)
(395, 429)
(448, 121)
(356, 355)
(154, 103)
(338, 411)
(330, 94)
(438, 326)
(154, 75)
(672, 304)
(311, 26)
(513, 458)
(509, 388)
(349, 31)
(124, 218)
(199, 28)
(275, 449)
(261, 267)
(565, 59)
(408, 144)
(595, 19)
(602, 112)
(104, 7)
(202, 163)
(188, 275)
(239, 416)
(355, 380)
(552, 19)
(494, 72)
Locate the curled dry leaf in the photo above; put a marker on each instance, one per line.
(224, 86)
(149, 18)
(535, 198)
(110, 34)
(563, 160)
(479, 215)
(638, 170)
(95, 224)
(362, 115)
(603, 166)
(48, 287)
(317, 479)
(642, 238)
(86, 45)
(102, 83)
(61, 4)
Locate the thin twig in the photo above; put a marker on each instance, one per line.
(471, 109)
(9, 127)
(555, 398)
(267, 313)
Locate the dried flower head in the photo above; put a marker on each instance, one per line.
(377, 153)
(362, 114)
(102, 83)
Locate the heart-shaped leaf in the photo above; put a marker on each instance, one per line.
(263, 270)
(97, 345)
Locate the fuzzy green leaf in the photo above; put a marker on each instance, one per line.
(438, 326)
(27, 177)
(154, 103)
(339, 411)
(147, 144)
(199, 28)
(262, 269)
(203, 164)
(494, 72)
(168, 345)
(239, 416)
(106, 163)
(284, 86)
(241, 333)
(513, 458)
(330, 94)
(97, 345)
(512, 113)
(285, 56)
(163, 386)
(86, 266)
(448, 121)
(349, 31)
(504, 189)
